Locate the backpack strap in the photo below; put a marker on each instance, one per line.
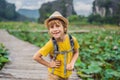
(55, 48)
(71, 42)
(55, 45)
(65, 55)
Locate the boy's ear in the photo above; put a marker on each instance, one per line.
(65, 29)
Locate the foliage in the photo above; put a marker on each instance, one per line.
(77, 20)
(99, 55)
(3, 55)
(21, 26)
(94, 19)
(36, 38)
(97, 19)
(73, 18)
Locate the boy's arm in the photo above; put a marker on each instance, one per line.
(74, 58)
(38, 57)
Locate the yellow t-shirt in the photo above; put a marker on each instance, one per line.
(65, 45)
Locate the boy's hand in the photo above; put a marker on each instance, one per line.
(55, 64)
(70, 67)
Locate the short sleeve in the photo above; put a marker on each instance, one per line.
(47, 48)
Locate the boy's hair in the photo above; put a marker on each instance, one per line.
(57, 22)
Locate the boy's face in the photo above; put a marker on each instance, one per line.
(57, 31)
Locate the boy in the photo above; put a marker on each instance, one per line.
(63, 55)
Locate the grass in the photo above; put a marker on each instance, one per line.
(32, 26)
(25, 26)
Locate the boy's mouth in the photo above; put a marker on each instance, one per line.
(55, 33)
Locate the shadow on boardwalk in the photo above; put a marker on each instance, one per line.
(21, 65)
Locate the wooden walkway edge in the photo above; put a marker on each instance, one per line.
(21, 65)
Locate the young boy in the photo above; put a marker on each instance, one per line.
(63, 55)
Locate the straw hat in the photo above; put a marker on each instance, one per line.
(56, 15)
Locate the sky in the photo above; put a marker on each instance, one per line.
(82, 7)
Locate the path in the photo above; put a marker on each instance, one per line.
(21, 65)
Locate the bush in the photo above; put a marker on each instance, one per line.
(3, 55)
(73, 18)
(97, 19)
(78, 20)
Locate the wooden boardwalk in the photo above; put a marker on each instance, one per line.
(21, 65)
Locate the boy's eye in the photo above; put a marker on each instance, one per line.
(57, 25)
(51, 26)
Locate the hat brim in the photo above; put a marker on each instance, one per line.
(57, 17)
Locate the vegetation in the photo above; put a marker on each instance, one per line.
(97, 19)
(94, 20)
(3, 55)
(78, 20)
(21, 26)
(99, 55)
(33, 37)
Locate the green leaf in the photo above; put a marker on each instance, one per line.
(83, 75)
(82, 65)
(112, 72)
(92, 68)
(90, 79)
(3, 60)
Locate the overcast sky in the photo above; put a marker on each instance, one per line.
(82, 7)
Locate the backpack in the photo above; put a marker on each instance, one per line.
(56, 51)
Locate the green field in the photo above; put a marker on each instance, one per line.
(99, 57)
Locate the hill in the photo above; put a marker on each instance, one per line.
(106, 7)
(65, 7)
(8, 12)
(29, 13)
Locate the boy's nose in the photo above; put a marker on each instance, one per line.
(55, 28)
